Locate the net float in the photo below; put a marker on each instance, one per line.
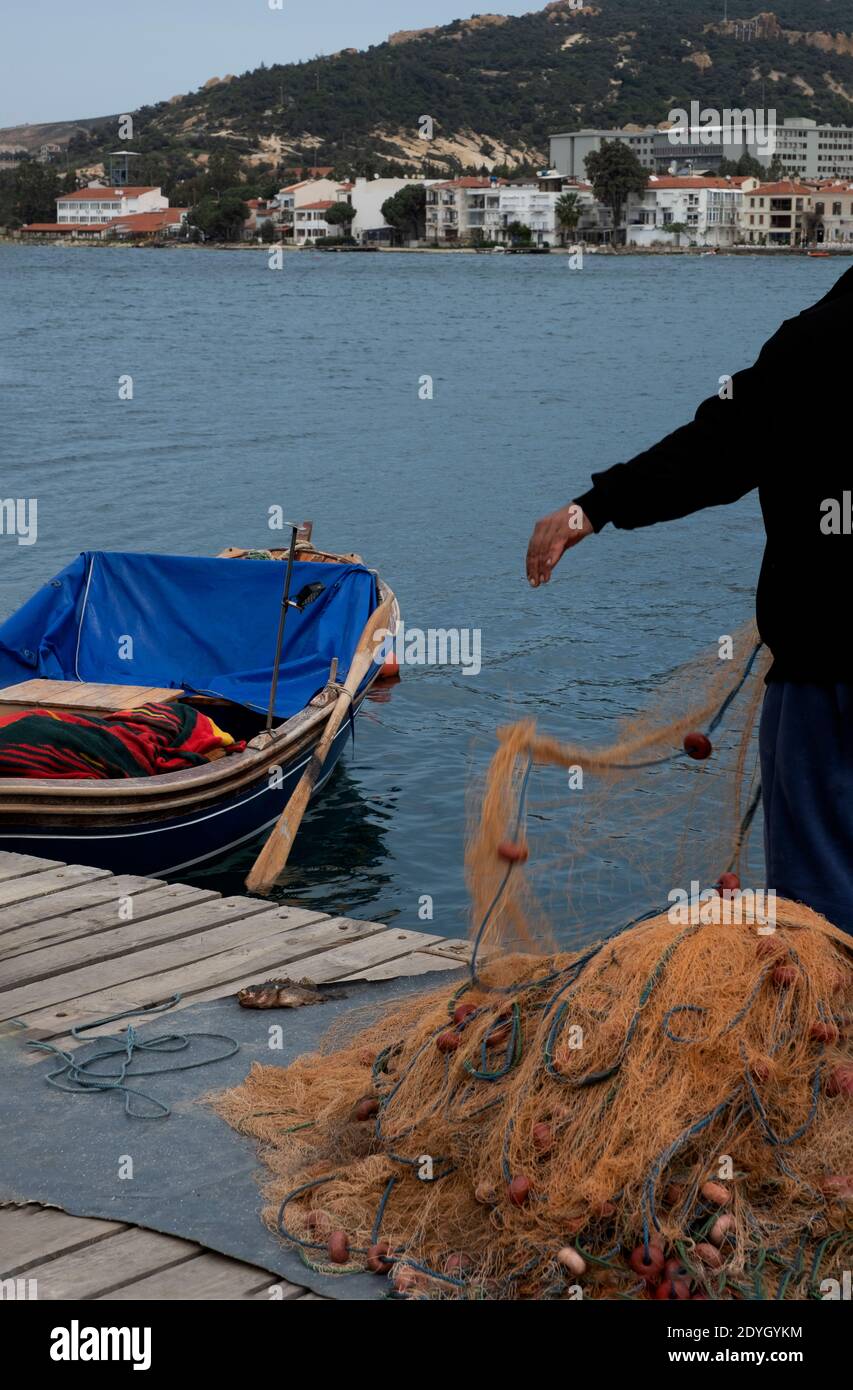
(498, 1036)
(604, 1209)
(768, 947)
(824, 1032)
(317, 1222)
(785, 976)
(648, 1266)
(366, 1108)
(569, 1258)
(512, 851)
(838, 1185)
(708, 1255)
(338, 1247)
(486, 1194)
(458, 1264)
(720, 1229)
(389, 670)
(675, 1193)
(761, 1071)
(716, 1194)
(698, 746)
(463, 1011)
(543, 1137)
(448, 1042)
(727, 884)
(840, 1082)
(673, 1289)
(676, 1270)
(519, 1190)
(696, 1297)
(377, 1262)
(405, 1280)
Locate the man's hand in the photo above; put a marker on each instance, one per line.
(552, 536)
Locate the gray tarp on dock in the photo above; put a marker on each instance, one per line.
(193, 1176)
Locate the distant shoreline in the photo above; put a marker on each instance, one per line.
(243, 246)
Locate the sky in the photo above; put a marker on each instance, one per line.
(69, 59)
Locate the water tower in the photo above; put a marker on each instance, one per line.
(120, 168)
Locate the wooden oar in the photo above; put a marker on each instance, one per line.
(269, 864)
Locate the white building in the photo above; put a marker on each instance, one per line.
(806, 149)
(708, 209)
(309, 221)
(811, 151)
(367, 197)
(97, 204)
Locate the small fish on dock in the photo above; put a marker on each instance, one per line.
(280, 994)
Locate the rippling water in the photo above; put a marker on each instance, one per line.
(301, 387)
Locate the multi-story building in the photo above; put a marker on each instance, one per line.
(811, 151)
(96, 204)
(776, 214)
(832, 209)
(309, 221)
(707, 209)
(458, 208)
(656, 148)
(164, 222)
(533, 207)
(805, 149)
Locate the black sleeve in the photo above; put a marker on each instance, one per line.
(717, 458)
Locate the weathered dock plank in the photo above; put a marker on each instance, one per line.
(207, 1276)
(50, 1247)
(108, 1264)
(208, 964)
(46, 882)
(66, 960)
(89, 909)
(17, 865)
(31, 1234)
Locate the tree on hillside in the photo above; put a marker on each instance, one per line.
(223, 170)
(36, 190)
(405, 212)
(615, 172)
(568, 210)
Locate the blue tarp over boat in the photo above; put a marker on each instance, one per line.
(207, 625)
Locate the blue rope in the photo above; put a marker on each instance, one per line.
(82, 1078)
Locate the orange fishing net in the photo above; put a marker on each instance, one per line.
(662, 1112)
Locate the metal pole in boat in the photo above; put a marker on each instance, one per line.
(281, 621)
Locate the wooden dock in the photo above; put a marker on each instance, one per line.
(77, 944)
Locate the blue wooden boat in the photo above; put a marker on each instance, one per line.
(196, 630)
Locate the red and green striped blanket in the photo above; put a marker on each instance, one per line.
(131, 743)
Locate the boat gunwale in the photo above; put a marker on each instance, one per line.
(191, 786)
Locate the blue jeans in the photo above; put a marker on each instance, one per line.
(806, 747)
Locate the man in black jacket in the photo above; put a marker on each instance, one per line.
(771, 429)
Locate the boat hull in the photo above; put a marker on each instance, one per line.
(160, 846)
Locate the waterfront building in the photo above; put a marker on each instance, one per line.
(97, 204)
(309, 221)
(706, 210)
(458, 208)
(832, 209)
(367, 196)
(776, 214)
